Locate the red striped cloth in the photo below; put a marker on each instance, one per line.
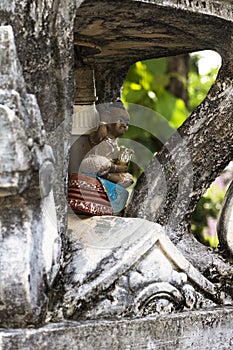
(86, 195)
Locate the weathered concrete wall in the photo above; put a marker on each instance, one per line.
(44, 42)
(187, 331)
(27, 233)
(43, 35)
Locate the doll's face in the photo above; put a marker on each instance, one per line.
(118, 121)
(117, 129)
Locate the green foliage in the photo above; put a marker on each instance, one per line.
(199, 85)
(146, 85)
(159, 112)
(208, 207)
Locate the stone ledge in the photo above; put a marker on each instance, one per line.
(184, 331)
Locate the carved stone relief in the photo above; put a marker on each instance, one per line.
(129, 267)
(113, 266)
(29, 249)
(117, 278)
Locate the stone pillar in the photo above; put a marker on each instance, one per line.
(28, 227)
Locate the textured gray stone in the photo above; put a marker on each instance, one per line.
(149, 29)
(186, 331)
(43, 33)
(28, 228)
(128, 267)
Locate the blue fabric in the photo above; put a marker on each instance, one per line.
(117, 194)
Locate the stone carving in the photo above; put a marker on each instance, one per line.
(28, 230)
(114, 266)
(129, 267)
(100, 187)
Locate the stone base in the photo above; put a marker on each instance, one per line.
(184, 331)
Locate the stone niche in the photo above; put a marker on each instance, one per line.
(110, 282)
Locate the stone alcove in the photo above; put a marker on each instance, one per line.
(109, 38)
(119, 33)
